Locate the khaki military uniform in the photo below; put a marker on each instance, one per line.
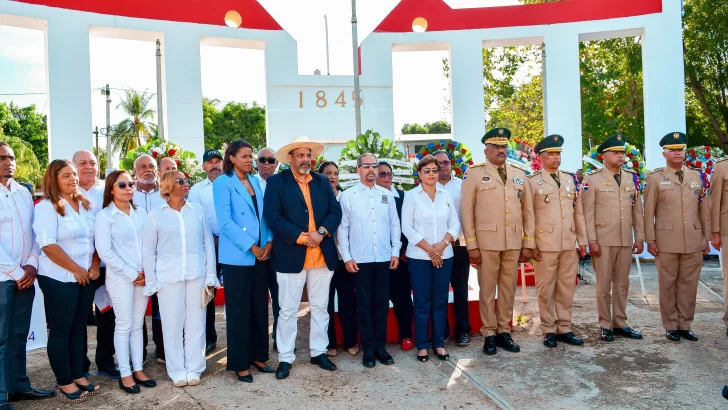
(719, 218)
(492, 221)
(553, 225)
(677, 219)
(610, 220)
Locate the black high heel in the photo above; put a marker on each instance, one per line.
(444, 357)
(89, 388)
(263, 369)
(130, 390)
(75, 397)
(424, 358)
(146, 383)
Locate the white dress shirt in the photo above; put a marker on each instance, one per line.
(148, 200)
(177, 246)
(201, 193)
(369, 229)
(17, 240)
(95, 195)
(454, 186)
(74, 233)
(423, 218)
(262, 182)
(118, 242)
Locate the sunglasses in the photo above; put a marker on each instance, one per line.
(385, 174)
(183, 181)
(123, 185)
(267, 160)
(372, 165)
(428, 171)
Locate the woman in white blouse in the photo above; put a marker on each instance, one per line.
(119, 228)
(64, 229)
(430, 223)
(179, 261)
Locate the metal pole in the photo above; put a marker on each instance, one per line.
(545, 90)
(96, 133)
(355, 46)
(109, 146)
(326, 27)
(160, 111)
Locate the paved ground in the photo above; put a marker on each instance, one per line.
(651, 373)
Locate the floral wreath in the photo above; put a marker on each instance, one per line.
(702, 158)
(384, 149)
(457, 151)
(634, 162)
(523, 153)
(159, 149)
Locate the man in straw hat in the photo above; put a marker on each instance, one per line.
(303, 214)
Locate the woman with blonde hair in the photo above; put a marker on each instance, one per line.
(179, 261)
(64, 229)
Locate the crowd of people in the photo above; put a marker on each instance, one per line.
(150, 235)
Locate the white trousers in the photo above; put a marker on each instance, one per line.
(180, 304)
(129, 305)
(290, 290)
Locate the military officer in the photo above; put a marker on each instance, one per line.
(677, 230)
(493, 201)
(719, 220)
(555, 221)
(613, 211)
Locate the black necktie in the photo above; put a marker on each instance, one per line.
(556, 178)
(617, 178)
(502, 173)
(679, 175)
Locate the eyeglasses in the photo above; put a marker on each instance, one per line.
(183, 181)
(372, 165)
(385, 174)
(267, 160)
(4, 157)
(123, 185)
(444, 163)
(427, 171)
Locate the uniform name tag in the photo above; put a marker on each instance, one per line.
(666, 183)
(518, 181)
(607, 183)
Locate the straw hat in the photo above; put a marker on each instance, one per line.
(299, 142)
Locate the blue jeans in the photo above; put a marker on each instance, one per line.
(430, 287)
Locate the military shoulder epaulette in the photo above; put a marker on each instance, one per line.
(630, 170)
(654, 170)
(721, 159)
(534, 174)
(697, 169)
(480, 164)
(593, 172)
(519, 166)
(567, 172)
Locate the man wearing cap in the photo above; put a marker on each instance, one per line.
(553, 224)
(677, 230)
(613, 211)
(201, 193)
(719, 221)
(303, 214)
(494, 200)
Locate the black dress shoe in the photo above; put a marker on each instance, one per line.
(248, 378)
(31, 394)
(504, 341)
(627, 332)
(130, 390)
(263, 369)
(368, 360)
(489, 346)
(323, 362)
(725, 392)
(5, 406)
(672, 335)
(210, 347)
(145, 383)
(549, 340)
(112, 372)
(463, 340)
(283, 370)
(444, 357)
(424, 358)
(384, 357)
(688, 334)
(607, 335)
(89, 388)
(569, 338)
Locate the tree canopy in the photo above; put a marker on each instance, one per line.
(437, 127)
(232, 122)
(28, 125)
(134, 131)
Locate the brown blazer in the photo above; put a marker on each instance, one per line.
(719, 198)
(552, 222)
(608, 211)
(491, 211)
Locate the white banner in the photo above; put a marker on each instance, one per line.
(396, 162)
(592, 161)
(37, 335)
(348, 184)
(407, 172)
(348, 176)
(400, 180)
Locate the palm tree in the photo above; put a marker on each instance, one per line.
(134, 131)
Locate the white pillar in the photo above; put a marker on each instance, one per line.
(663, 78)
(562, 95)
(68, 76)
(466, 89)
(183, 90)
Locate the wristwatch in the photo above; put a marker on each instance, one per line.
(322, 231)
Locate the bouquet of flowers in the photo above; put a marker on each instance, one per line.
(384, 149)
(459, 154)
(158, 149)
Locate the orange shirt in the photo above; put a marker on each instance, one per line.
(314, 257)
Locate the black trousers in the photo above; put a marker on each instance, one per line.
(16, 307)
(68, 305)
(372, 304)
(273, 289)
(400, 293)
(210, 331)
(459, 283)
(246, 306)
(343, 283)
(104, 331)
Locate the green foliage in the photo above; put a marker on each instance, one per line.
(437, 127)
(27, 166)
(101, 156)
(134, 131)
(373, 143)
(234, 121)
(159, 149)
(28, 125)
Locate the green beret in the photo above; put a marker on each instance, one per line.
(552, 143)
(616, 142)
(674, 140)
(497, 136)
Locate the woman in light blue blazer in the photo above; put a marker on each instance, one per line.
(244, 249)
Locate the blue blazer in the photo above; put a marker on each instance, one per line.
(239, 227)
(287, 216)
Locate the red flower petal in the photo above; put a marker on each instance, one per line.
(464, 151)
